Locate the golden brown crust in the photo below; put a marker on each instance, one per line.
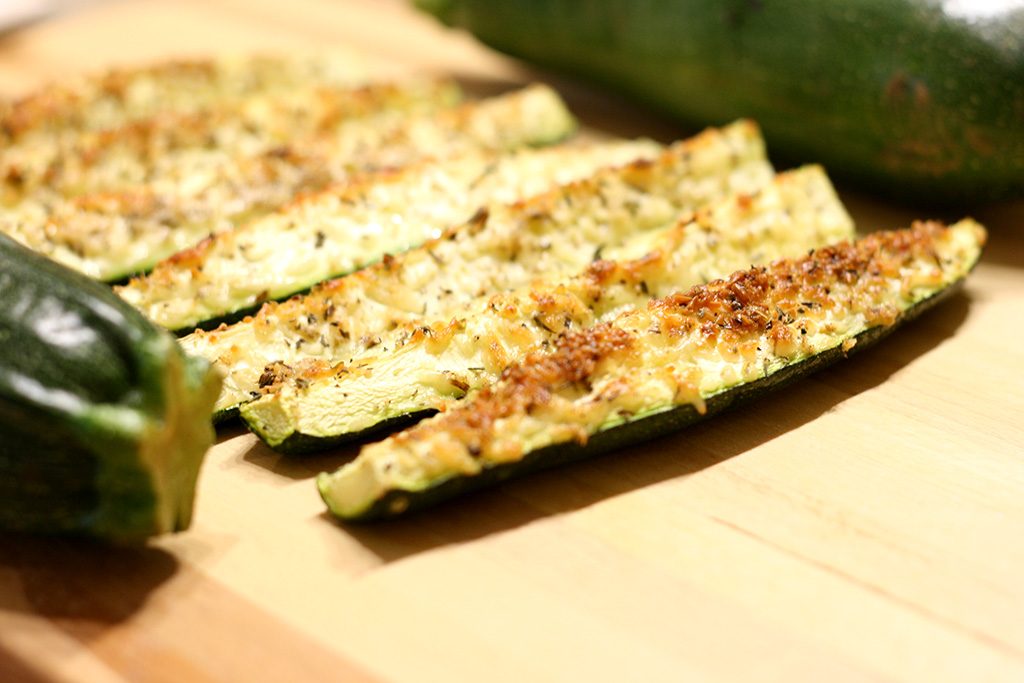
(776, 303)
(237, 265)
(798, 211)
(539, 208)
(555, 234)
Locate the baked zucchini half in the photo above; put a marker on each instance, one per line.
(682, 358)
(167, 203)
(434, 363)
(105, 420)
(117, 96)
(557, 232)
(350, 226)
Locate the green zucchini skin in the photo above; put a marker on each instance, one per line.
(104, 418)
(637, 431)
(916, 99)
(305, 444)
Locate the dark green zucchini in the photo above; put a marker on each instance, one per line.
(920, 99)
(104, 420)
(652, 371)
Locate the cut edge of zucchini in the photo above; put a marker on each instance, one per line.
(157, 447)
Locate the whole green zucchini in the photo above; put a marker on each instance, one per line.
(104, 420)
(919, 99)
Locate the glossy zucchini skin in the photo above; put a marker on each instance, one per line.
(104, 419)
(916, 99)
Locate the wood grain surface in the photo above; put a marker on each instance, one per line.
(866, 524)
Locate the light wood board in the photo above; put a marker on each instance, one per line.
(866, 524)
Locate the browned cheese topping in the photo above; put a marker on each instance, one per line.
(352, 225)
(426, 364)
(688, 346)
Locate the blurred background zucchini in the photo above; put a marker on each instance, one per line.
(922, 100)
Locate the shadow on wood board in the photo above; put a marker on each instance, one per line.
(13, 670)
(87, 582)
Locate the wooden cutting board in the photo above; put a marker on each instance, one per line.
(867, 524)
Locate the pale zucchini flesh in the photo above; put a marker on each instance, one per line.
(351, 226)
(557, 232)
(659, 368)
(433, 363)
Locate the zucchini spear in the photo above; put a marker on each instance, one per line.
(435, 362)
(350, 226)
(655, 370)
(557, 232)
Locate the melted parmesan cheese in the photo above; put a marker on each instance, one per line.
(434, 362)
(353, 225)
(680, 350)
(615, 212)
